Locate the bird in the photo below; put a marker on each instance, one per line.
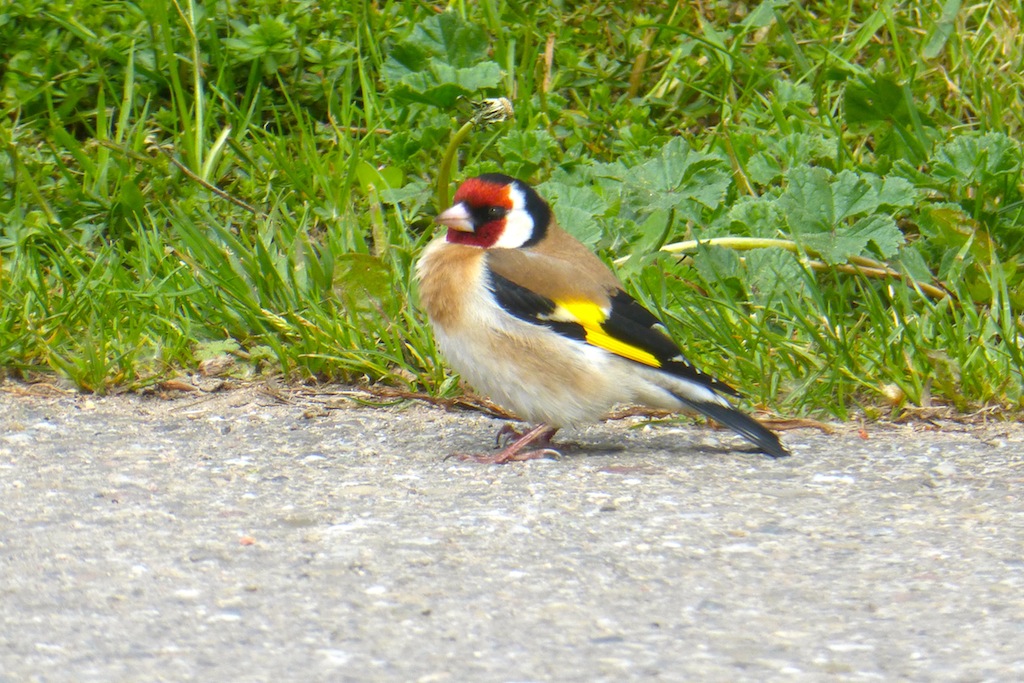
(531, 317)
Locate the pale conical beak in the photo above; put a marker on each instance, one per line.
(456, 218)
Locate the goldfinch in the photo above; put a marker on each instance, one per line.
(531, 317)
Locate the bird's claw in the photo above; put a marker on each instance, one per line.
(509, 433)
(505, 457)
(538, 436)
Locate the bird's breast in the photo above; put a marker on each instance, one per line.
(452, 282)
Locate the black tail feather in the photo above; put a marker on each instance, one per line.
(742, 424)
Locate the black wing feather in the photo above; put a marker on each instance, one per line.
(637, 326)
(627, 321)
(742, 424)
(527, 305)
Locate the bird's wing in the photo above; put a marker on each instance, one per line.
(587, 309)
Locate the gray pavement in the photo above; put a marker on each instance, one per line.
(236, 537)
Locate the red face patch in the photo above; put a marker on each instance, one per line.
(484, 237)
(478, 195)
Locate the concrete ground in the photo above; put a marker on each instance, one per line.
(242, 536)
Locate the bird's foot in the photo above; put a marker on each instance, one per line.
(505, 457)
(538, 436)
(508, 433)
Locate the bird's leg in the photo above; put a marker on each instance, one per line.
(540, 435)
(508, 433)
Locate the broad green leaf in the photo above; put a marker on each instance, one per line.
(807, 201)
(679, 176)
(529, 145)
(763, 168)
(447, 37)
(717, 263)
(839, 216)
(654, 232)
(788, 92)
(755, 216)
(893, 191)
(947, 226)
(441, 85)
(773, 273)
(707, 182)
(576, 209)
(976, 158)
(798, 149)
(403, 145)
(851, 195)
(415, 191)
(838, 246)
(664, 172)
(856, 194)
(523, 152)
(444, 58)
(873, 99)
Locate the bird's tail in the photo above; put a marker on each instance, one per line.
(741, 423)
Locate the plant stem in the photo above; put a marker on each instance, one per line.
(864, 266)
(444, 173)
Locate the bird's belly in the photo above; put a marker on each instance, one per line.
(542, 376)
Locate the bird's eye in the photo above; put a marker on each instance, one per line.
(495, 212)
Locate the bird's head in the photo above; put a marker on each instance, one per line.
(496, 211)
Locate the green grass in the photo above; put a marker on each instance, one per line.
(181, 180)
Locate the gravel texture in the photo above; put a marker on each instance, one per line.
(238, 536)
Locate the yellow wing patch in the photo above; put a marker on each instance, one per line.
(591, 316)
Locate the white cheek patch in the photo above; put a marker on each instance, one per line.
(518, 222)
